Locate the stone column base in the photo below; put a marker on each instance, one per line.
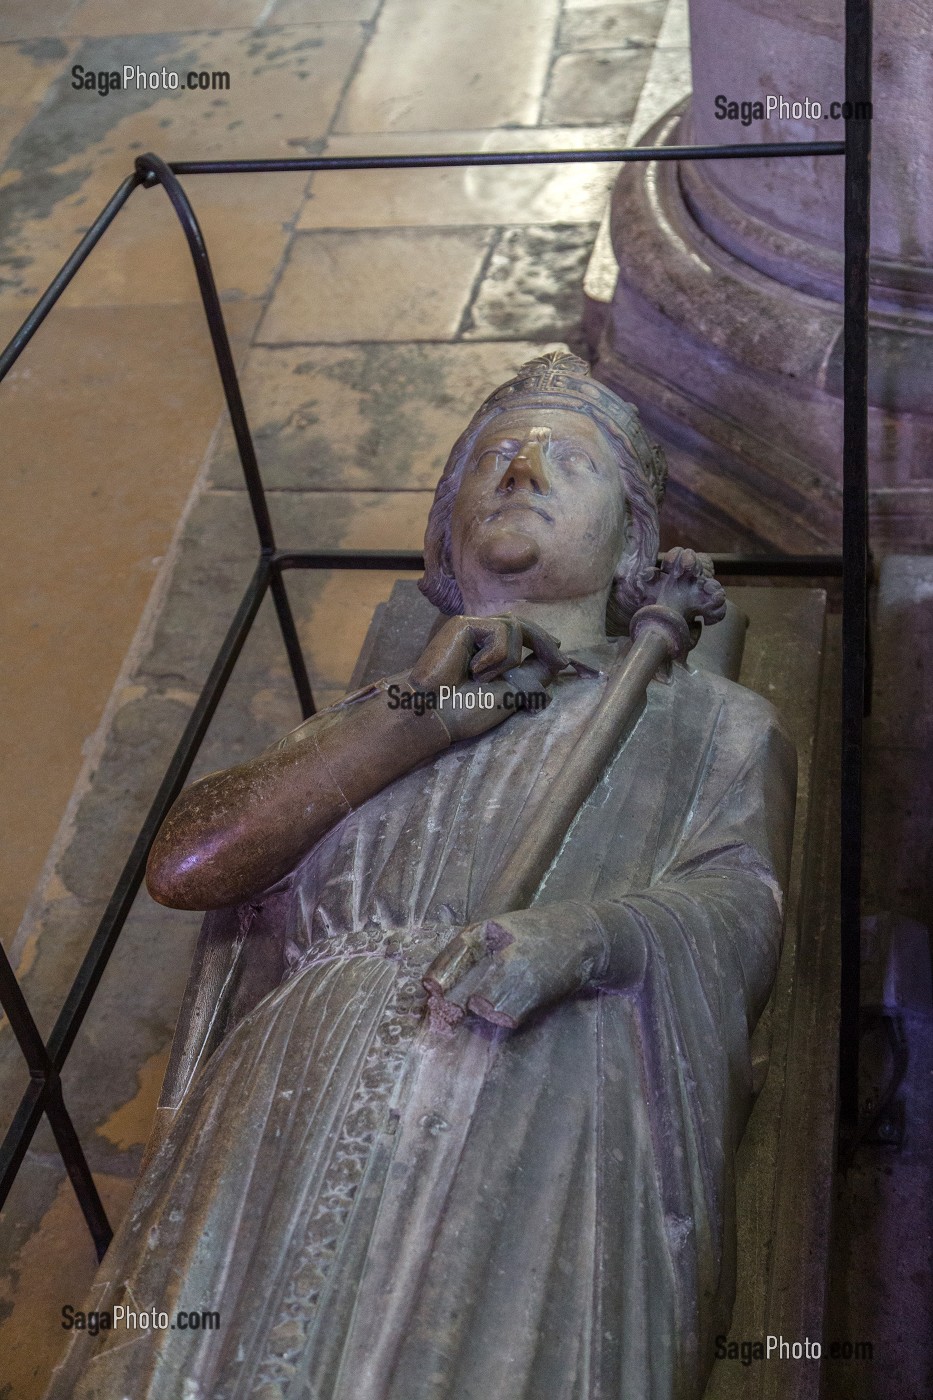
(740, 376)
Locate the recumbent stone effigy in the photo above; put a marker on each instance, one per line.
(479, 1138)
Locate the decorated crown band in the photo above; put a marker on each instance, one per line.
(562, 380)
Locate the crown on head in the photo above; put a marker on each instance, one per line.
(561, 380)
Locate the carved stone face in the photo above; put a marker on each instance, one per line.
(540, 511)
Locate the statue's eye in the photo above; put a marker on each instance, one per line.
(577, 459)
(495, 456)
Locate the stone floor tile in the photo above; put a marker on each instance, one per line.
(145, 730)
(386, 285)
(337, 625)
(612, 26)
(246, 222)
(216, 560)
(115, 17)
(11, 122)
(667, 82)
(33, 19)
(532, 288)
(112, 1095)
(218, 555)
(457, 66)
(27, 70)
(111, 17)
(66, 163)
(46, 956)
(526, 194)
(362, 417)
(336, 607)
(570, 5)
(602, 270)
(88, 502)
(675, 27)
(54, 1264)
(595, 86)
(284, 84)
(384, 519)
(297, 11)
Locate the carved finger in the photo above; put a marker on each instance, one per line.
(545, 647)
(448, 653)
(505, 993)
(463, 952)
(501, 649)
(488, 1011)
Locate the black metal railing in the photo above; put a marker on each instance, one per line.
(46, 1061)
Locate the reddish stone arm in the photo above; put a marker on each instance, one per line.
(234, 833)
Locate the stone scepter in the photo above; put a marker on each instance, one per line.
(679, 593)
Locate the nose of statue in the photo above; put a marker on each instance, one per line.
(526, 472)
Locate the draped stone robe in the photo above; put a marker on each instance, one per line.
(382, 1213)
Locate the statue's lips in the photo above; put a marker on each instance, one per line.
(519, 505)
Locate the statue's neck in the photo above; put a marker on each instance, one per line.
(577, 622)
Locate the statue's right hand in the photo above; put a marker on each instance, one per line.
(474, 654)
(482, 649)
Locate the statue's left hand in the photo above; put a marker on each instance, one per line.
(505, 968)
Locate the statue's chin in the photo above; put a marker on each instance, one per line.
(508, 551)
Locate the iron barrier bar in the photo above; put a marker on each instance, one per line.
(296, 659)
(65, 273)
(856, 226)
(76, 1165)
(44, 1094)
(412, 561)
(393, 560)
(151, 169)
(21, 1022)
(778, 565)
(745, 150)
